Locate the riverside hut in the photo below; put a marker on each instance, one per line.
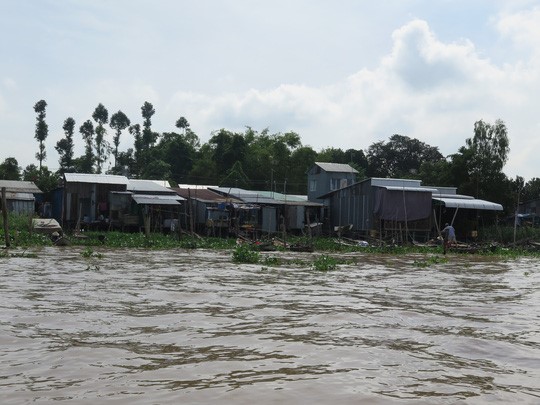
(20, 196)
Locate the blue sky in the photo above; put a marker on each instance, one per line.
(345, 73)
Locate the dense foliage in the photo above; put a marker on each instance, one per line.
(261, 160)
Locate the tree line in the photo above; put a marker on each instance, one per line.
(266, 161)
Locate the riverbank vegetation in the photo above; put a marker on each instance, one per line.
(494, 240)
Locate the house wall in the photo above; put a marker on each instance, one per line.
(352, 206)
(295, 217)
(530, 207)
(326, 182)
(269, 219)
(20, 206)
(87, 197)
(355, 206)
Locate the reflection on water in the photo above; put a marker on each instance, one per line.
(163, 327)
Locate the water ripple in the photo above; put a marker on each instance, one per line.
(191, 326)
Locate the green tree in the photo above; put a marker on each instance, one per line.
(156, 168)
(531, 190)
(42, 130)
(86, 163)
(268, 158)
(119, 122)
(437, 173)
(332, 155)
(487, 153)
(303, 157)
(125, 164)
(101, 116)
(10, 170)
(64, 146)
(138, 145)
(149, 137)
(235, 177)
(183, 124)
(400, 157)
(178, 153)
(204, 169)
(260, 161)
(43, 178)
(228, 148)
(192, 138)
(358, 160)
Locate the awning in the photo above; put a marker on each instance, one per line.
(157, 199)
(469, 204)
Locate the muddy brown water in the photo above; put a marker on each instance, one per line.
(159, 327)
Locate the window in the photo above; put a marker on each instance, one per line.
(313, 185)
(334, 184)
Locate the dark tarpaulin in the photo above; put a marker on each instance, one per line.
(402, 205)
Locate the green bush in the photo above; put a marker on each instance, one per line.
(245, 254)
(325, 263)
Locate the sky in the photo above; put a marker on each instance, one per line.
(343, 73)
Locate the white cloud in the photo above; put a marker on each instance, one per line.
(423, 87)
(523, 28)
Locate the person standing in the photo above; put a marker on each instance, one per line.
(449, 235)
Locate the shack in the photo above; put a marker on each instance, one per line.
(271, 212)
(20, 196)
(465, 212)
(325, 177)
(376, 207)
(402, 209)
(154, 202)
(83, 199)
(207, 211)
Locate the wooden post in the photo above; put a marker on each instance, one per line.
(5, 217)
(190, 211)
(146, 221)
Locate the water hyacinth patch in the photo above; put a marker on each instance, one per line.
(325, 263)
(245, 254)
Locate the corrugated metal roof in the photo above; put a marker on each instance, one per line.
(157, 199)
(455, 196)
(16, 186)
(194, 186)
(336, 167)
(266, 197)
(203, 195)
(147, 186)
(379, 181)
(234, 191)
(470, 204)
(96, 178)
(418, 189)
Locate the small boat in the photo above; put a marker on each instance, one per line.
(59, 240)
(297, 247)
(62, 241)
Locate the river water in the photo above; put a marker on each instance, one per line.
(190, 326)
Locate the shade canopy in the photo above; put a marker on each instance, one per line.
(469, 204)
